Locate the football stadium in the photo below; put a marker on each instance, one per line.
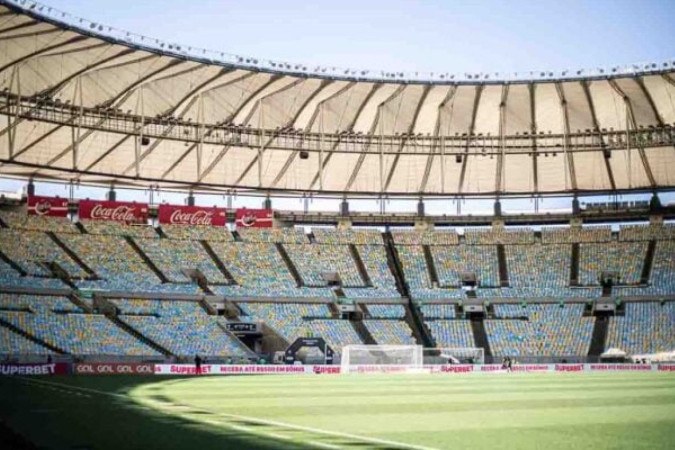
(188, 262)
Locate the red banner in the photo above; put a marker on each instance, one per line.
(113, 369)
(192, 215)
(126, 212)
(254, 218)
(621, 367)
(47, 206)
(35, 369)
(569, 367)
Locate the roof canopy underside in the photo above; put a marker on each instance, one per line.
(357, 137)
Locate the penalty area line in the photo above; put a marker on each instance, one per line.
(318, 431)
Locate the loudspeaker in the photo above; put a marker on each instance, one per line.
(145, 140)
(304, 155)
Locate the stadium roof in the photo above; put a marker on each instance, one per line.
(84, 102)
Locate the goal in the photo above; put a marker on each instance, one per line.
(454, 355)
(381, 358)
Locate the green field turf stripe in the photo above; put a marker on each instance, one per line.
(288, 426)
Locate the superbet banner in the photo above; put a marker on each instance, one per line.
(192, 215)
(126, 212)
(35, 369)
(254, 218)
(47, 206)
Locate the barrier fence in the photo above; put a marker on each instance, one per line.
(89, 369)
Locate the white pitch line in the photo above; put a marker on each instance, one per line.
(371, 440)
(323, 445)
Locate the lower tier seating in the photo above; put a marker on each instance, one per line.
(646, 327)
(386, 311)
(390, 332)
(186, 335)
(287, 319)
(549, 330)
(337, 333)
(12, 343)
(79, 334)
(438, 311)
(452, 333)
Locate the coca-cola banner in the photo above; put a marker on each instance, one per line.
(254, 218)
(126, 212)
(113, 369)
(192, 215)
(35, 369)
(47, 206)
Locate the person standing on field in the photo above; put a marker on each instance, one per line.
(198, 365)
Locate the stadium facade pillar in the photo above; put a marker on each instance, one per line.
(111, 196)
(344, 207)
(267, 203)
(575, 205)
(420, 207)
(498, 208)
(30, 189)
(191, 199)
(654, 203)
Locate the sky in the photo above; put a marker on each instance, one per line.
(425, 36)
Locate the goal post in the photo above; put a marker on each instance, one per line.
(454, 355)
(403, 356)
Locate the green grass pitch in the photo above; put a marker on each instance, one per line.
(523, 411)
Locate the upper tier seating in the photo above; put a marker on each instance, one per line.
(274, 235)
(260, 271)
(647, 327)
(355, 236)
(22, 221)
(499, 236)
(414, 266)
(374, 259)
(172, 256)
(29, 249)
(437, 237)
(417, 276)
(451, 261)
(119, 266)
(551, 330)
(569, 235)
(197, 233)
(312, 260)
(624, 258)
(181, 327)
(538, 270)
(647, 232)
(119, 229)
(662, 277)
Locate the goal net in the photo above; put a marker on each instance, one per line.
(459, 355)
(381, 358)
